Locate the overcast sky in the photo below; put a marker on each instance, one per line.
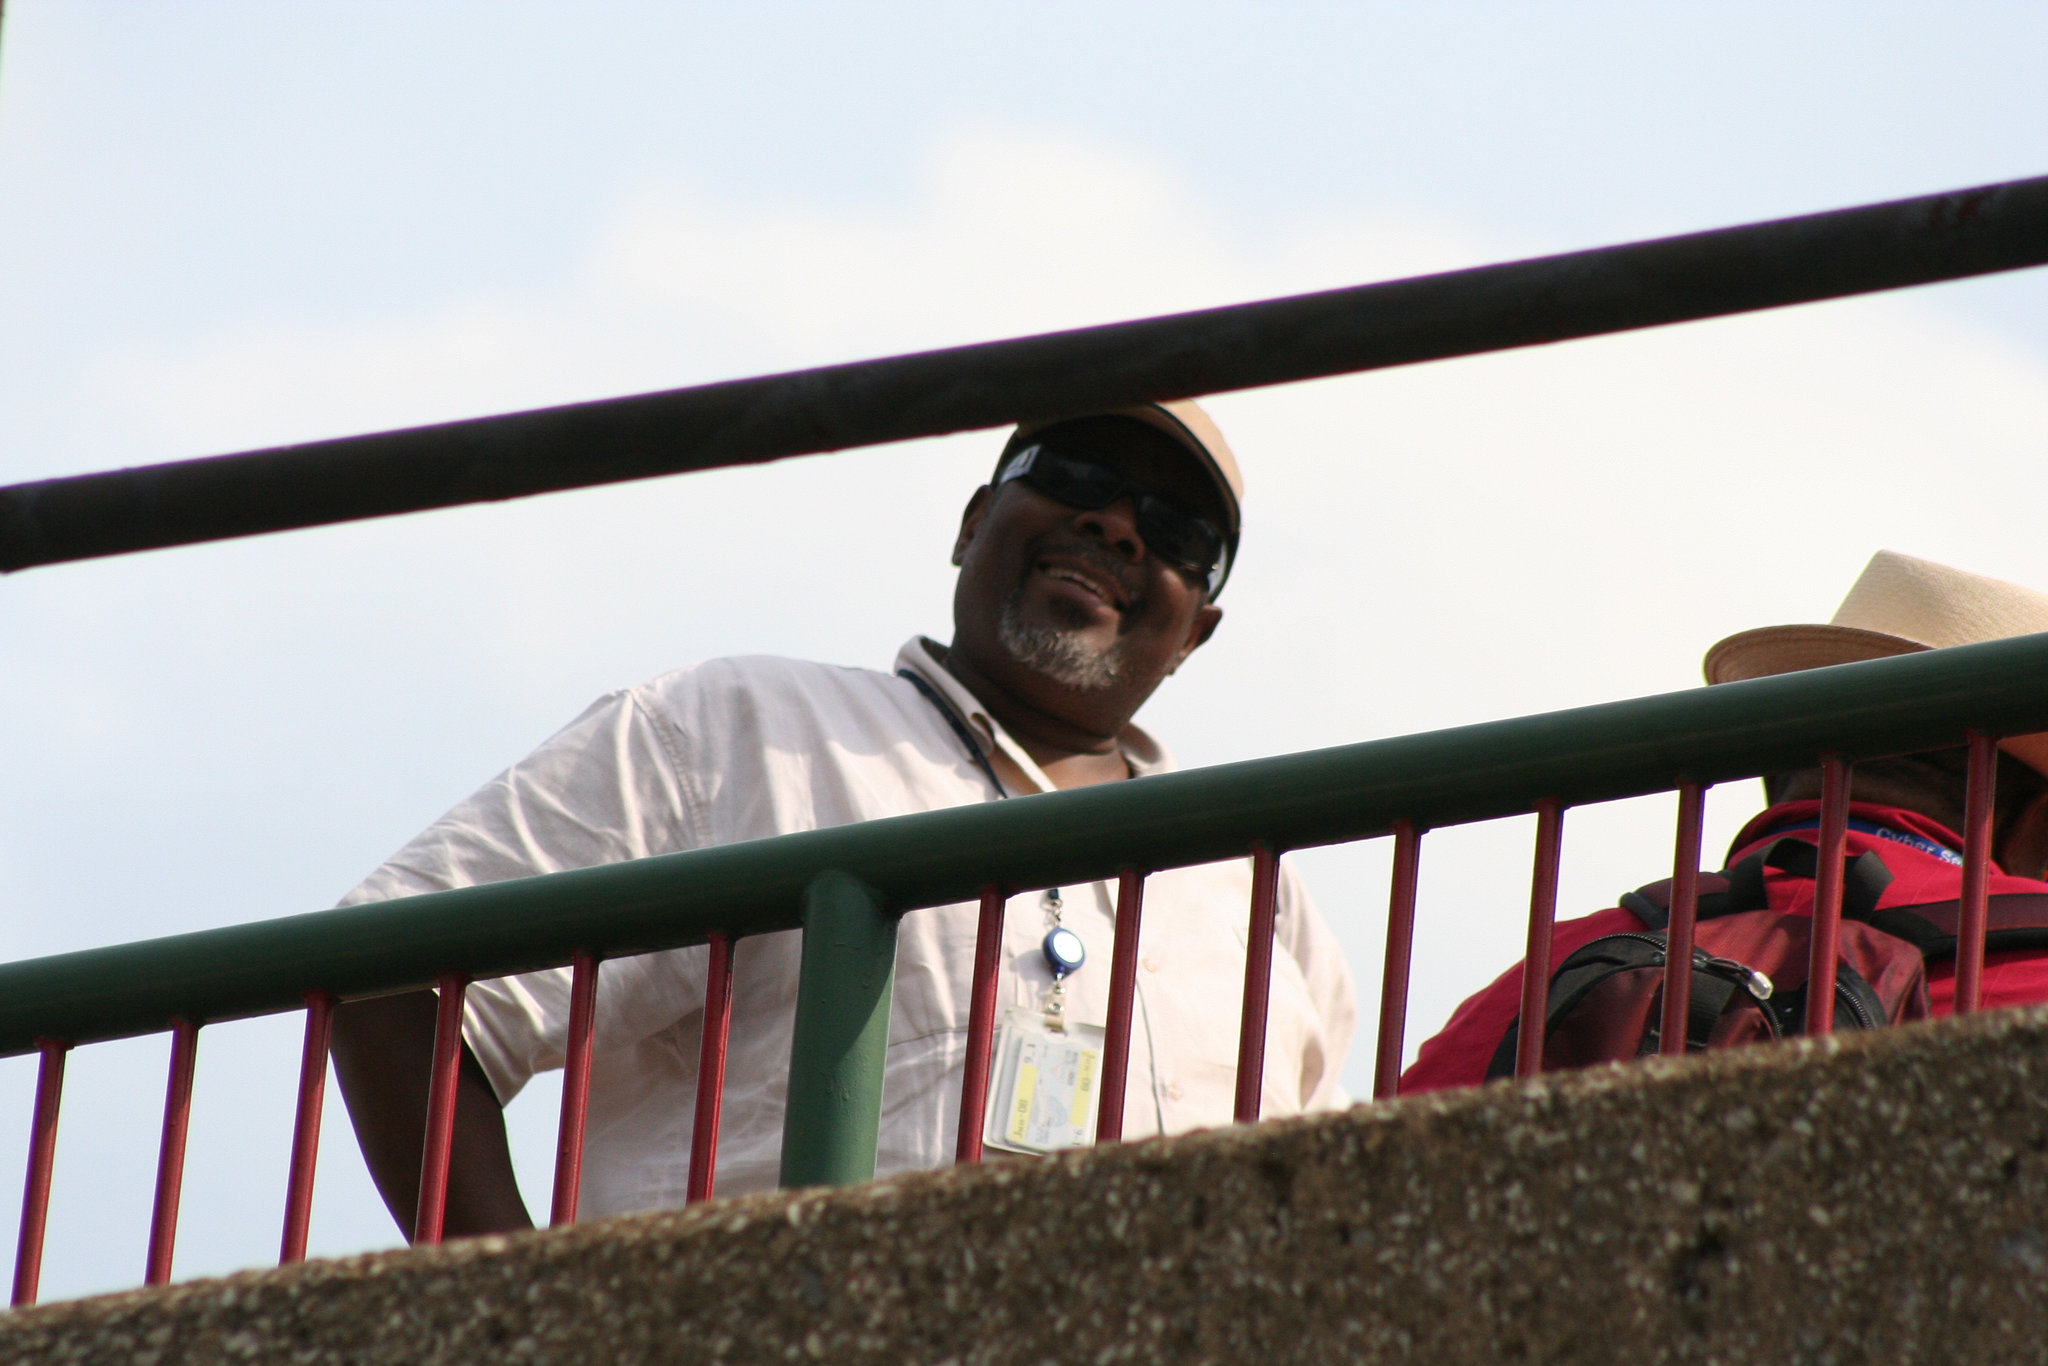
(228, 225)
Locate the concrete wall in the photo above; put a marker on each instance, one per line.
(1882, 1199)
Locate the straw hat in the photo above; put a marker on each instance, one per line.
(1897, 606)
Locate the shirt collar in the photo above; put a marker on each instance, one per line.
(922, 656)
(1891, 817)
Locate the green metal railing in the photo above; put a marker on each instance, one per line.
(935, 858)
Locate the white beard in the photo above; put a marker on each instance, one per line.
(1067, 657)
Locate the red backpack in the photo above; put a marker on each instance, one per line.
(1606, 1000)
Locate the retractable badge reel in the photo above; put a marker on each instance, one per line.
(1064, 954)
(1043, 1098)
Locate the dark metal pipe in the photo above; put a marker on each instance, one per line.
(1533, 1019)
(1258, 983)
(981, 1023)
(1367, 327)
(1123, 994)
(1979, 808)
(713, 1046)
(170, 1158)
(1824, 951)
(42, 1157)
(430, 1213)
(575, 1117)
(1676, 1022)
(1400, 960)
(298, 1197)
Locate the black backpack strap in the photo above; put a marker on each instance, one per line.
(1503, 1064)
(1741, 888)
(1864, 876)
(2015, 921)
(1651, 904)
(1718, 895)
(1863, 884)
(1800, 858)
(1745, 890)
(1730, 892)
(1711, 995)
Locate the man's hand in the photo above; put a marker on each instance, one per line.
(383, 1055)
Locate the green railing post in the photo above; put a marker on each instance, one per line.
(841, 1036)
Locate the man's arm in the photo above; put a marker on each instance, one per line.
(383, 1056)
(601, 790)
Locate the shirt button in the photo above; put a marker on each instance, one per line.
(1173, 1090)
(1151, 966)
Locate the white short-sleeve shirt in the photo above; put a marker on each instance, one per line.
(738, 749)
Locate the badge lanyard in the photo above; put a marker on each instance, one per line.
(1046, 1067)
(1064, 952)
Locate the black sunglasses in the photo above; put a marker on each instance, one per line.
(1186, 540)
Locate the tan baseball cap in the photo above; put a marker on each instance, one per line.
(1184, 421)
(1898, 605)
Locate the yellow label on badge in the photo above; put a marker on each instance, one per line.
(1020, 1109)
(1084, 1089)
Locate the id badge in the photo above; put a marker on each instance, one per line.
(1043, 1096)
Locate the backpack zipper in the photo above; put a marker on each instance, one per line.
(1845, 997)
(1743, 975)
(1755, 983)
(1752, 981)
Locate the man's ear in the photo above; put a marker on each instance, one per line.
(971, 519)
(1204, 625)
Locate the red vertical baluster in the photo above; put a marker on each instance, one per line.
(1827, 896)
(575, 1089)
(1386, 1072)
(1258, 982)
(1542, 918)
(981, 1024)
(298, 1194)
(42, 1157)
(1685, 903)
(439, 1146)
(711, 1068)
(1123, 990)
(1977, 809)
(170, 1162)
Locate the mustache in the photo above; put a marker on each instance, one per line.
(1128, 577)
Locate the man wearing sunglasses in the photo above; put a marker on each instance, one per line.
(1089, 570)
